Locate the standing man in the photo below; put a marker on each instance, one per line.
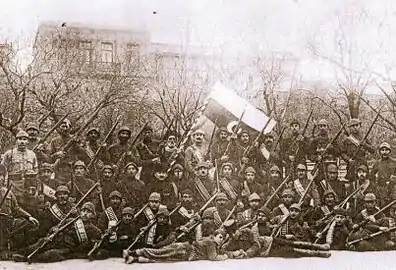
(196, 152)
(19, 162)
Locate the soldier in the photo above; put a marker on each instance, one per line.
(353, 149)
(112, 213)
(206, 249)
(47, 184)
(195, 153)
(300, 184)
(161, 184)
(250, 213)
(294, 148)
(64, 160)
(332, 182)
(80, 185)
(383, 172)
(319, 143)
(147, 150)
(228, 183)
(263, 226)
(324, 210)
(221, 212)
(168, 149)
(20, 161)
(33, 132)
(366, 186)
(75, 242)
(203, 187)
(150, 210)
(91, 146)
(244, 139)
(287, 199)
(178, 175)
(10, 209)
(207, 226)
(271, 183)
(121, 147)
(187, 210)
(135, 189)
(375, 224)
(266, 155)
(241, 244)
(107, 183)
(161, 233)
(220, 145)
(249, 185)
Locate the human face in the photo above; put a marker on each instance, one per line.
(45, 174)
(178, 173)
(329, 199)
(171, 142)
(287, 199)
(202, 172)
(127, 218)
(245, 138)
(107, 174)
(161, 176)
(62, 198)
(369, 204)
(64, 128)
(22, 142)
(131, 170)
(79, 171)
(31, 191)
(339, 219)
(223, 135)
(187, 199)
(250, 176)
(384, 152)
(261, 217)
(93, 136)
(254, 204)
(294, 213)
(33, 133)
(275, 175)
(354, 129)
(115, 201)
(269, 141)
(221, 203)
(227, 171)
(154, 204)
(323, 128)
(198, 138)
(162, 219)
(301, 173)
(86, 214)
(333, 175)
(361, 174)
(219, 239)
(207, 221)
(147, 134)
(295, 128)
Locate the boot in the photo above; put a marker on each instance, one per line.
(19, 258)
(130, 260)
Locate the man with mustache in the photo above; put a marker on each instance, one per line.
(119, 148)
(195, 153)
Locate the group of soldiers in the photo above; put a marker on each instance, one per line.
(233, 195)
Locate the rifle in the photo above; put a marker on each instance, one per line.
(132, 144)
(112, 229)
(167, 127)
(228, 216)
(279, 139)
(91, 162)
(217, 177)
(146, 228)
(50, 237)
(235, 132)
(247, 225)
(364, 222)
(211, 139)
(276, 191)
(6, 193)
(195, 224)
(41, 120)
(49, 132)
(348, 244)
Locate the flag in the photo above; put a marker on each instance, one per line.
(225, 107)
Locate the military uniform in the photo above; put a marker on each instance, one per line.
(135, 190)
(194, 155)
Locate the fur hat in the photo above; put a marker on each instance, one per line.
(63, 189)
(90, 207)
(155, 197)
(22, 134)
(127, 210)
(115, 193)
(254, 197)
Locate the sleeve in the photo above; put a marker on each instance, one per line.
(188, 160)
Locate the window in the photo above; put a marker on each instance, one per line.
(107, 52)
(86, 50)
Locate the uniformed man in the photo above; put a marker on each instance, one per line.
(195, 153)
(119, 148)
(20, 161)
(134, 189)
(319, 143)
(80, 185)
(112, 213)
(203, 186)
(221, 212)
(300, 184)
(332, 182)
(107, 183)
(229, 184)
(168, 149)
(287, 199)
(91, 146)
(220, 145)
(187, 210)
(161, 233)
(47, 183)
(249, 185)
(33, 132)
(366, 185)
(147, 150)
(270, 183)
(251, 213)
(150, 211)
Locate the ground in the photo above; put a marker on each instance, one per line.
(338, 260)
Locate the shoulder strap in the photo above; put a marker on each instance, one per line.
(80, 231)
(201, 189)
(284, 209)
(298, 187)
(228, 188)
(148, 213)
(57, 212)
(111, 216)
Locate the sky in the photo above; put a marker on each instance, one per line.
(359, 34)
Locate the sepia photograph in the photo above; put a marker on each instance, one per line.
(174, 134)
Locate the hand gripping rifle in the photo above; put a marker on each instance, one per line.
(50, 237)
(391, 229)
(110, 231)
(49, 132)
(120, 160)
(192, 223)
(103, 144)
(276, 191)
(146, 228)
(364, 222)
(228, 216)
(235, 132)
